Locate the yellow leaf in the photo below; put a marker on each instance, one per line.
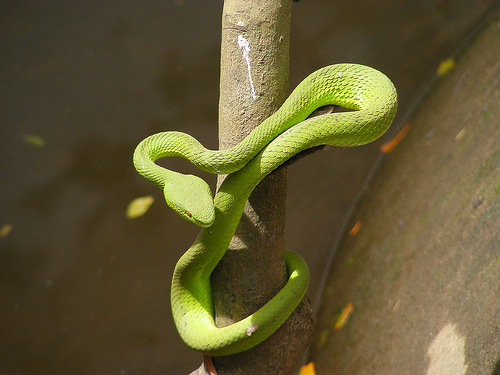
(323, 336)
(445, 66)
(344, 316)
(34, 140)
(460, 134)
(308, 369)
(5, 229)
(139, 206)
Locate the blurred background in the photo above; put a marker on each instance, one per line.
(84, 289)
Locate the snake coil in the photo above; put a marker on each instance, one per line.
(372, 99)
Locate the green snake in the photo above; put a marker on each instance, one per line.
(372, 100)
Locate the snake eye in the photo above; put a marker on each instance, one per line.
(188, 213)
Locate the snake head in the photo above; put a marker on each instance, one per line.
(191, 198)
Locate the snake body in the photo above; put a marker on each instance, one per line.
(372, 99)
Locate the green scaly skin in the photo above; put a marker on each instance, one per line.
(372, 98)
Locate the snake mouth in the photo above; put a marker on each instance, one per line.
(204, 220)
(203, 224)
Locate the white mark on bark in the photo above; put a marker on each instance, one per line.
(245, 46)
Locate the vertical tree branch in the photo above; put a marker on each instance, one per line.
(253, 84)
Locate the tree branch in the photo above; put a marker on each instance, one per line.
(253, 84)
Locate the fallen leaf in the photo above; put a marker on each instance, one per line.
(210, 365)
(5, 229)
(460, 134)
(344, 316)
(308, 369)
(445, 66)
(355, 229)
(323, 336)
(139, 206)
(34, 140)
(389, 146)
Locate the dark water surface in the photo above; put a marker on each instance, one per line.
(85, 290)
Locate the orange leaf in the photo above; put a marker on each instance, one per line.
(389, 146)
(342, 320)
(355, 229)
(308, 369)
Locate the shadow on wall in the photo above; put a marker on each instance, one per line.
(496, 370)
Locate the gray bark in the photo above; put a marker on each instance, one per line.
(253, 84)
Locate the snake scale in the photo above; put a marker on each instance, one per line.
(372, 100)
